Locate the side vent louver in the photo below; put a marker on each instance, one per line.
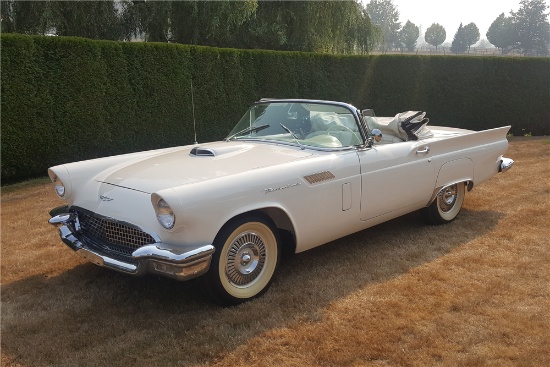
(319, 177)
(202, 152)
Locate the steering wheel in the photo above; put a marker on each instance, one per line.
(355, 139)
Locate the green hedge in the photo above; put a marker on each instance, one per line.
(66, 99)
(470, 92)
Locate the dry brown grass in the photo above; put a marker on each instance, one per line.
(472, 293)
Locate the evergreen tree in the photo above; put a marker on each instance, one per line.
(471, 33)
(459, 44)
(384, 15)
(408, 35)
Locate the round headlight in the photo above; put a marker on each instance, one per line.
(58, 186)
(165, 215)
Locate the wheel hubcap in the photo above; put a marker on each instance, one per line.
(245, 259)
(447, 197)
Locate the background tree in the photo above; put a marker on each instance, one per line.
(532, 27)
(484, 44)
(502, 33)
(268, 28)
(459, 44)
(28, 17)
(471, 33)
(435, 35)
(341, 26)
(420, 41)
(367, 34)
(146, 20)
(384, 15)
(408, 35)
(91, 19)
(320, 26)
(210, 23)
(355, 33)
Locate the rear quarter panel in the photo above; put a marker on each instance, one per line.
(474, 154)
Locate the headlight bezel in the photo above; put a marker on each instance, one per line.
(165, 214)
(59, 186)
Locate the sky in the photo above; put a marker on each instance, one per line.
(450, 13)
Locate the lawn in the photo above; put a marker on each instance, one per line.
(475, 292)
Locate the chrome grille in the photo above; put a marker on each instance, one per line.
(116, 236)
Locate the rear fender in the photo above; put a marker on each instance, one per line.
(452, 172)
(458, 170)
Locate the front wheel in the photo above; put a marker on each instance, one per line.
(446, 205)
(245, 260)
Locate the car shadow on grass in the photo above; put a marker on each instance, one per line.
(91, 316)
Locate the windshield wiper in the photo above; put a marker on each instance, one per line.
(249, 129)
(293, 135)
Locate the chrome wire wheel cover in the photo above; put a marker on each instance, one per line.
(447, 198)
(246, 258)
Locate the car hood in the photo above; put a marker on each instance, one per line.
(192, 164)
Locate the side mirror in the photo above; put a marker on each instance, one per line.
(375, 135)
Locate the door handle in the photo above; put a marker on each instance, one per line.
(423, 151)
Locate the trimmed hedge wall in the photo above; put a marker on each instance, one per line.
(67, 99)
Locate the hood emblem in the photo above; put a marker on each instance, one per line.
(105, 198)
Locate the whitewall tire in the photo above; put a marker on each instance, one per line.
(446, 205)
(246, 258)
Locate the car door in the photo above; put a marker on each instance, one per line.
(395, 176)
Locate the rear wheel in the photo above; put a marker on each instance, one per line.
(245, 260)
(446, 205)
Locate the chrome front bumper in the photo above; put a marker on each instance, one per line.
(146, 259)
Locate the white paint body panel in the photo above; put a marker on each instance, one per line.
(370, 185)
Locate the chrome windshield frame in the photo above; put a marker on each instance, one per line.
(362, 130)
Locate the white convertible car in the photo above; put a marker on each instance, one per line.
(292, 175)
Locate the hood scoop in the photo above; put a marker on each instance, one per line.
(202, 152)
(218, 150)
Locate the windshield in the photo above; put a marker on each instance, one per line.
(305, 124)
